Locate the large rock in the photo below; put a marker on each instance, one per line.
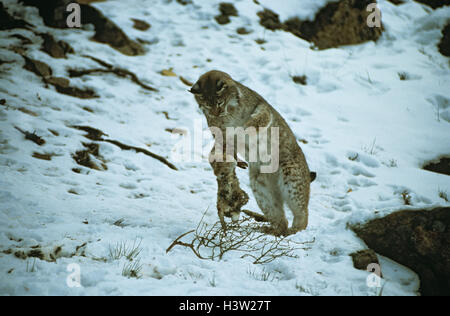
(8, 22)
(435, 3)
(419, 240)
(336, 24)
(54, 14)
(444, 44)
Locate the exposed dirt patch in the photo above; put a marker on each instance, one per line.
(338, 23)
(417, 239)
(226, 10)
(442, 165)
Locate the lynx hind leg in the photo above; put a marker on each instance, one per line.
(295, 191)
(270, 201)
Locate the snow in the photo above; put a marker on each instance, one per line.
(304, 9)
(354, 106)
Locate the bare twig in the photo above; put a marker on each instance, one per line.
(245, 236)
(124, 73)
(97, 135)
(31, 136)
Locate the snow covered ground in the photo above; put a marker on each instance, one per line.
(363, 130)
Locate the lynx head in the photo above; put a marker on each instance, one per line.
(215, 92)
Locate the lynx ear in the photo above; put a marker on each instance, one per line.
(195, 89)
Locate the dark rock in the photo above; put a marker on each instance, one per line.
(109, 33)
(222, 19)
(300, 80)
(59, 81)
(56, 49)
(270, 20)
(417, 239)
(243, 31)
(336, 24)
(38, 67)
(397, 2)
(8, 22)
(444, 44)
(140, 25)
(61, 85)
(54, 14)
(362, 259)
(440, 166)
(226, 10)
(75, 92)
(435, 3)
(184, 2)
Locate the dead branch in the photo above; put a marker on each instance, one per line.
(120, 72)
(142, 150)
(245, 236)
(97, 135)
(31, 136)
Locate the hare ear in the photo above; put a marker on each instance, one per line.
(195, 89)
(220, 86)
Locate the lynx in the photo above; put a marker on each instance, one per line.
(229, 104)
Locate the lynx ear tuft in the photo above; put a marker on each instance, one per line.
(195, 89)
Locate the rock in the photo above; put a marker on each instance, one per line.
(54, 14)
(38, 67)
(270, 20)
(8, 22)
(56, 49)
(222, 19)
(435, 3)
(184, 2)
(397, 2)
(362, 259)
(444, 44)
(59, 81)
(243, 31)
(109, 33)
(226, 10)
(336, 24)
(140, 25)
(418, 239)
(442, 165)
